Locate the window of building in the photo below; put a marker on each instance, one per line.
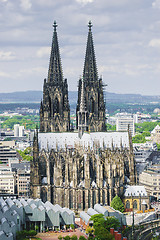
(127, 204)
(135, 204)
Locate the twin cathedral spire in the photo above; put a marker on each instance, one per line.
(55, 109)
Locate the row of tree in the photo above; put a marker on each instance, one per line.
(28, 121)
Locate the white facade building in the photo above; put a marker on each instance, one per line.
(7, 181)
(18, 130)
(21, 131)
(123, 122)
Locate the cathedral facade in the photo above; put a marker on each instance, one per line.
(77, 169)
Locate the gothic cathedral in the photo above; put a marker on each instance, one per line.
(79, 168)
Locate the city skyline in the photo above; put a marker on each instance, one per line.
(126, 38)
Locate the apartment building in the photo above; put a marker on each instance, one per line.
(6, 153)
(7, 180)
(23, 182)
(150, 179)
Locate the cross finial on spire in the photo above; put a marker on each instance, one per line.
(90, 25)
(55, 25)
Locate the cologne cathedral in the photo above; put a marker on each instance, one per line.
(88, 165)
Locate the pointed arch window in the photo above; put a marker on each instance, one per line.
(128, 204)
(49, 106)
(135, 204)
(92, 105)
(56, 105)
(43, 195)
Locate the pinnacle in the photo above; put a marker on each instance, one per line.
(90, 25)
(55, 26)
(82, 102)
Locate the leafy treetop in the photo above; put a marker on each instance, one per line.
(117, 204)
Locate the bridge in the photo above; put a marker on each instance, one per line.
(144, 231)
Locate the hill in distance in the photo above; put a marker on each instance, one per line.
(36, 96)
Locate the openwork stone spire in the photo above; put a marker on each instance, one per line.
(83, 99)
(82, 113)
(55, 73)
(55, 109)
(90, 68)
(91, 88)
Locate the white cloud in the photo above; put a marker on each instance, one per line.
(26, 4)
(156, 4)
(154, 43)
(121, 31)
(4, 74)
(35, 70)
(43, 51)
(6, 56)
(84, 2)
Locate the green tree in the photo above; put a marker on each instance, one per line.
(26, 154)
(102, 233)
(82, 238)
(72, 226)
(66, 238)
(102, 226)
(98, 220)
(28, 121)
(60, 237)
(117, 204)
(146, 134)
(74, 237)
(111, 127)
(20, 235)
(145, 126)
(91, 238)
(158, 146)
(112, 222)
(139, 138)
(32, 233)
(90, 230)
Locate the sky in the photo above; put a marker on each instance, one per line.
(126, 37)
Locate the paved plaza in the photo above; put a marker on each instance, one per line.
(54, 236)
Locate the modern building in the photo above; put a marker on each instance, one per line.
(15, 178)
(7, 181)
(141, 117)
(107, 211)
(150, 179)
(6, 153)
(78, 169)
(18, 130)
(123, 122)
(10, 144)
(23, 182)
(19, 214)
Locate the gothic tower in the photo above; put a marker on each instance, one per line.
(54, 109)
(93, 90)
